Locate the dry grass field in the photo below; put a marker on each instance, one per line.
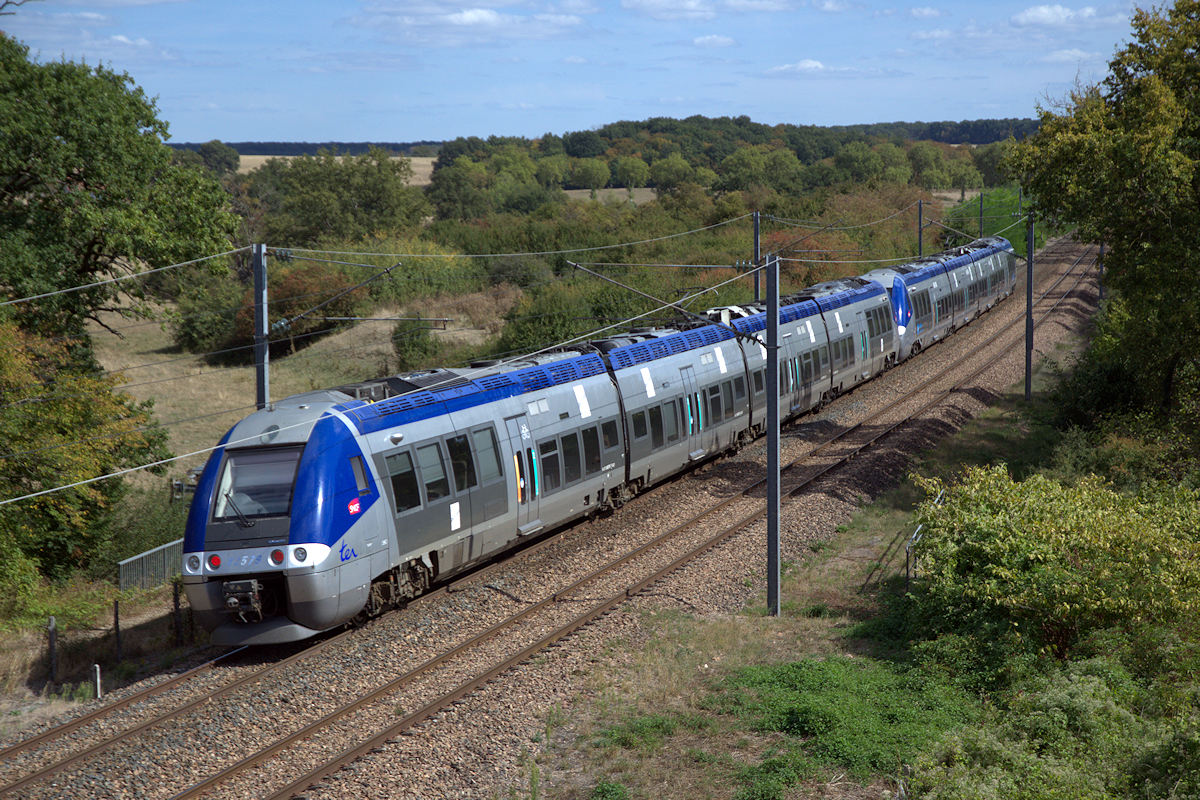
(422, 166)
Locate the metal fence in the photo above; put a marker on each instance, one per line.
(153, 567)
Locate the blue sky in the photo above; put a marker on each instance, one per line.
(400, 70)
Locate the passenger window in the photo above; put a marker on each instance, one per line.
(609, 431)
(461, 462)
(656, 427)
(714, 405)
(488, 454)
(360, 475)
(404, 481)
(433, 472)
(739, 388)
(639, 424)
(759, 386)
(591, 451)
(671, 420)
(551, 478)
(727, 396)
(570, 457)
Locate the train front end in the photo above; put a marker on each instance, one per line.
(275, 541)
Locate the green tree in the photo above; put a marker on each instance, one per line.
(896, 168)
(988, 159)
(1119, 162)
(631, 172)
(670, 173)
(784, 172)
(459, 191)
(862, 163)
(310, 199)
(58, 425)
(962, 176)
(928, 165)
(590, 173)
(552, 170)
(744, 169)
(88, 190)
(219, 158)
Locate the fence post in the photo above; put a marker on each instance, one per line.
(117, 625)
(96, 684)
(52, 632)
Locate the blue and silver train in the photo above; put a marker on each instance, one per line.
(332, 506)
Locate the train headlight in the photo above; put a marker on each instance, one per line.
(300, 553)
(193, 563)
(276, 557)
(214, 561)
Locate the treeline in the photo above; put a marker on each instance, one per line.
(421, 148)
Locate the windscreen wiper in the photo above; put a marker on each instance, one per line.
(243, 520)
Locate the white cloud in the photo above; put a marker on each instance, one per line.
(713, 40)
(1073, 56)
(935, 35)
(434, 24)
(830, 6)
(671, 10)
(575, 60)
(926, 12)
(1055, 16)
(807, 66)
(757, 5)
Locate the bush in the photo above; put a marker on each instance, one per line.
(1044, 564)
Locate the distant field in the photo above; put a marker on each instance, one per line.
(422, 167)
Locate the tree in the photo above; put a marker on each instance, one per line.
(326, 197)
(928, 165)
(583, 144)
(88, 190)
(459, 191)
(744, 169)
(631, 172)
(962, 175)
(58, 425)
(219, 158)
(1120, 161)
(669, 173)
(860, 161)
(590, 173)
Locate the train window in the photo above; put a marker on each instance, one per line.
(806, 369)
(591, 450)
(739, 388)
(360, 475)
(551, 478)
(823, 357)
(487, 454)
(433, 472)
(727, 397)
(639, 424)
(759, 385)
(404, 481)
(570, 457)
(671, 420)
(656, 427)
(461, 462)
(609, 431)
(714, 405)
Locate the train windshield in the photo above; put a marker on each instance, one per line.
(256, 483)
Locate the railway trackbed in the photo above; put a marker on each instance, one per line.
(425, 683)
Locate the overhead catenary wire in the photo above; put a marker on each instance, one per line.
(122, 278)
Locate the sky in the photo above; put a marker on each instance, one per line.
(408, 70)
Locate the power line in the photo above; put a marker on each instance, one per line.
(121, 278)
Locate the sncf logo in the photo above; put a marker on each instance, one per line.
(354, 506)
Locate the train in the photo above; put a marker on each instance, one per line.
(328, 507)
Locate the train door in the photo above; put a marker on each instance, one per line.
(691, 413)
(526, 485)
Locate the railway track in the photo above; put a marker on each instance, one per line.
(419, 690)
